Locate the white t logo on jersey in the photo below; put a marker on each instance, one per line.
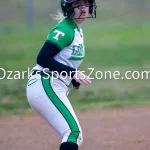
(58, 34)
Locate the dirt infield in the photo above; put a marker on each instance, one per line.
(127, 129)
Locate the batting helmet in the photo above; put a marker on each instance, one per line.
(68, 9)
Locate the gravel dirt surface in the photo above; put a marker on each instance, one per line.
(121, 129)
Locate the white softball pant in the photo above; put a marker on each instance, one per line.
(49, 100)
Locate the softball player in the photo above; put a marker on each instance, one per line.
(57, 68)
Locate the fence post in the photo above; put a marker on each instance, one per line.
(29, 14)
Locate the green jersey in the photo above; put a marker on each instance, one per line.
(68, 37)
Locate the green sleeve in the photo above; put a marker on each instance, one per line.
(61, 37)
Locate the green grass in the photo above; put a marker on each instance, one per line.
(110, 45)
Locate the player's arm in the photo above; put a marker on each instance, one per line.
(46, 59)
(57, 40)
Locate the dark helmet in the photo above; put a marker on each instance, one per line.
(67, 8)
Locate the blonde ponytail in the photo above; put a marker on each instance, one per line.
(58, 17)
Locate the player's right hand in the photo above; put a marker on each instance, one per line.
(82, 78)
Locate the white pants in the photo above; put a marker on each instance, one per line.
(49, 100)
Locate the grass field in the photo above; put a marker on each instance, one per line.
(110, 45)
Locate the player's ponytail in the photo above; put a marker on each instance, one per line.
(58, 17)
